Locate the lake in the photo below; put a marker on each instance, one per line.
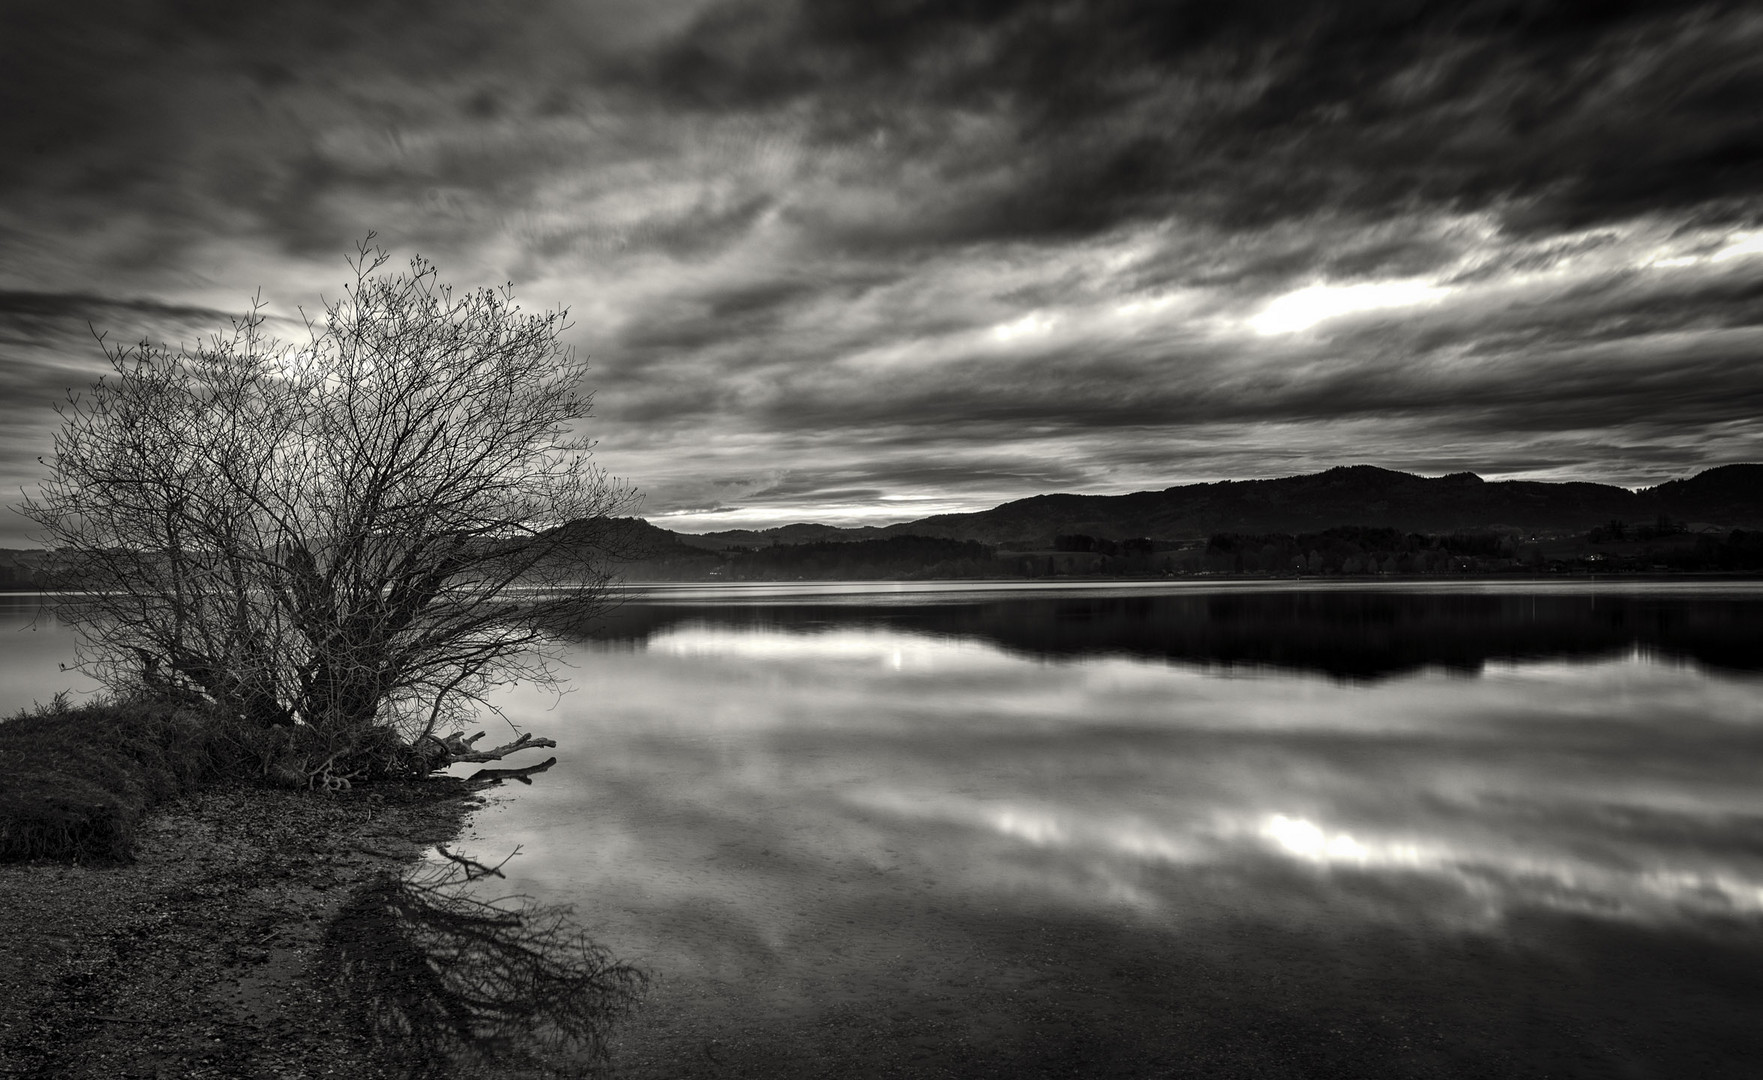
(1220, 830)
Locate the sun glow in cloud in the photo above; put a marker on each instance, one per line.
(1306, 840)
(1034, 324)
(1703, 251)
(1308, 306)
(1740, 244)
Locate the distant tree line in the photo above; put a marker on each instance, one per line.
(892, 557)
(1737, 551)
(16, 577)
(1616, 531)
(1355, 549)
(1135, 547)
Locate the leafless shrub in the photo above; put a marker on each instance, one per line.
(355, 537)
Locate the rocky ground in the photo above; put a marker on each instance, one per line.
(205, 956)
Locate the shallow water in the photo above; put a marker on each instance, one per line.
(1250, 830)
(36, 651)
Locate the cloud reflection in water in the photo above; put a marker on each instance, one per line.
(1541, 781)
(843, 811)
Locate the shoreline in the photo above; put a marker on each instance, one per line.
(205, 957)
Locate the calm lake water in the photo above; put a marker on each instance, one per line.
(1230, 830)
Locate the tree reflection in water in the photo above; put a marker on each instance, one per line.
(448, 984)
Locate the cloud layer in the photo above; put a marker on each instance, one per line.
(861, 262)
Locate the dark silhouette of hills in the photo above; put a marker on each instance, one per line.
(1361, 496)
(640, 551)
(1730, 496)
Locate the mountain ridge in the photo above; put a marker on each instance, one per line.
(1729, 496)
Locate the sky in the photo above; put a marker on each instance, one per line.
(864, 262)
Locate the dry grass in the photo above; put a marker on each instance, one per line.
(75, 782)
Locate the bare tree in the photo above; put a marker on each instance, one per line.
(349, 542)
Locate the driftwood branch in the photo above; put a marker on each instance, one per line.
(436, 753)
(523, 743)
(458, 748)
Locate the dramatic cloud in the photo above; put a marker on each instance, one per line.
(861, 262)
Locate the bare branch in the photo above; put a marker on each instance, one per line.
(363, 534)
(460, 749)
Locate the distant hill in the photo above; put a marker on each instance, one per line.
(1730, 496)
(644, 552)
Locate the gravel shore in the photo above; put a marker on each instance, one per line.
(205, 956)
